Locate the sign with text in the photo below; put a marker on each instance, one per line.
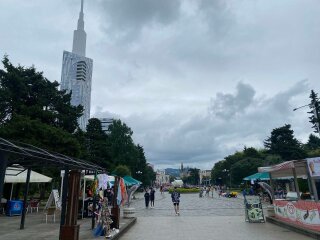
(314, 166)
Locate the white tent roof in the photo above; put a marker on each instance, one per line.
(19, 175)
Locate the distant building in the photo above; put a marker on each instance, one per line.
(76, 74)
(105, 122)
(162, 178)
(205, 177)
(184, 172)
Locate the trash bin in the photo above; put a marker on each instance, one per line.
(14, 208)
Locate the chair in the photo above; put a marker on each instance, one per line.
(34, 205)
(51, 211)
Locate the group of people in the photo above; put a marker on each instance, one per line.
(149, 197)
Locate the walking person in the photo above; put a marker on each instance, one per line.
(152, 193)
(146, 198)
(175, 196)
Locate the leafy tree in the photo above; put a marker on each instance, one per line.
(313, 142)
(97, 144)
(251, 152)
(315, 109)
(122, 170)
(34, 132)
(194, 177)
(121, 143)
(244, 168)
(283, 142)
(26, 92)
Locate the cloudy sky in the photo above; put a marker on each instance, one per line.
(196, 80)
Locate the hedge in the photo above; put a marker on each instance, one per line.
(185, 190)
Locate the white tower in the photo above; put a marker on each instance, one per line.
(76, 72)
(80, 36)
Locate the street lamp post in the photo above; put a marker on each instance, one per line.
(315, 113)
(228, 173)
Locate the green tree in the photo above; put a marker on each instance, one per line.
(26, 92)
(315, 109)
(244, 168)
(34, 132)
(313, 142)
(121, 144)
(97, 144)
(122, 170)
(194, 177)
(283, 142)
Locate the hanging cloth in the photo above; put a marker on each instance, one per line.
(119, 195)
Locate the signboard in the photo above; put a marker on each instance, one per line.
(314, 166)
(302, 213)
(54, 198)
(253, 208)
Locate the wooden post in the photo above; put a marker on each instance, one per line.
(70, 230)
(25, 199)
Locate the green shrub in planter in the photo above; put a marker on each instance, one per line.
(185, 190)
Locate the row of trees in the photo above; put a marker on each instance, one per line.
(34, 111)
(280, 146)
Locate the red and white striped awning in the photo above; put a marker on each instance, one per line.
(285, 169)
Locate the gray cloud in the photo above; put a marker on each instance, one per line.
(201, 140)
(195, 79)
(125, 18)
(228, 105)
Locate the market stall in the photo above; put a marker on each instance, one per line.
(297, 207)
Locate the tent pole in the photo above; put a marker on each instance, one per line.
(23, 216)
(83, 193)
(312, 185)
(64, 198)
(296, 182)
(11, 191)
(3, 167)
(272, 186)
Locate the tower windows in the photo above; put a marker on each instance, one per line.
(81, 71)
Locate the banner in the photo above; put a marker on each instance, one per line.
(253, 208)
(314, 166)
(303, 213)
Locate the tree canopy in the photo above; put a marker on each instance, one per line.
(283, 142)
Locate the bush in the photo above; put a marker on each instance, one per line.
(185, 190)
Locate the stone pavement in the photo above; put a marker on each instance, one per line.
(207, 227)
(207, 218)
(201, 218)
(37, 229)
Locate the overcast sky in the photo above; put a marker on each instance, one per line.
(195, 80)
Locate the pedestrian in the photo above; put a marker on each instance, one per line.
(251, 191)
(147, 198)
(152, 193)
(161, 189)
(175, 196)
(207, 191)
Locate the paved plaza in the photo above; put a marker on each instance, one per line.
(201, 218)
(206, 218)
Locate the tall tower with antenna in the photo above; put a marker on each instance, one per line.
(76, 74)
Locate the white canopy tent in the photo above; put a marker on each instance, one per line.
(19, 175)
